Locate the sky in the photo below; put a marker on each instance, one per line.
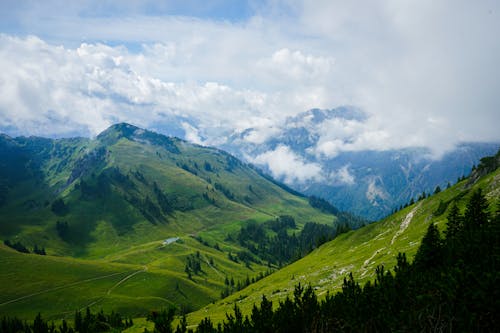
(426, 73)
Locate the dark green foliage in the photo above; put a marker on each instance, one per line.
(163, 201)
(429, 254)
(489, 164)
(282, 222)
(193, 265)
(62, 230)
(88, 323)
(441, 208)
(454, 224)
(225, 191)
(231, 286)
(58, 207)
(452, 285)
(162, 320)
(322, 205)
(182, 327)
(343, 218)
(437, 189)
(208, 167)
(476, 212)
(283, 248)
(40, 251)
(16, 246)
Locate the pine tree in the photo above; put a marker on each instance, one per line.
(455, 222)
(429, 254)
(476, 212)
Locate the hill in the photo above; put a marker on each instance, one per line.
(130, 220)
(362, 251)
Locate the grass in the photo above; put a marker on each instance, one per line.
(359, 252)
(113, 257)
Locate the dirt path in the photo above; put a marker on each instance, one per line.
(405, 223)
(115, 286)
(212, 267)
(60, 287)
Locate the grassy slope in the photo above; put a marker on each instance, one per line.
(111, 236)
(359, 252)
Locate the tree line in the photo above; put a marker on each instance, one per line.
(452, 285)
(18, 246)
(282, 247)
(87, 322)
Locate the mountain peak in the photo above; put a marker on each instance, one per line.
(133, 133)
(118, 130)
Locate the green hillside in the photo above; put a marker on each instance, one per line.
(130, 221)
(359, 251)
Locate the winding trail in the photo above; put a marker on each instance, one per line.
(212, 267)
(405, 223)
(115, 286)
(61, 287)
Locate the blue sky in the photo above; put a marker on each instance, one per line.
(425, 73)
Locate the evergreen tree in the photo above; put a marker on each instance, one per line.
(476, 211)
(429, 254)
(455, 222)
(262, 318)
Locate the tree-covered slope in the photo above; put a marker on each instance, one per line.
(362, 251)
(130, 201)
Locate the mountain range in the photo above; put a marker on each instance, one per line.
(132, 205)
(368, 183)
(133, 220)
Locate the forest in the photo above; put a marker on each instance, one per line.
(451, 285)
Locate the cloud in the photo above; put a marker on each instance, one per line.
(294, 65)
(342, 176)
(191, 133)
(426, 73)
(285, 164)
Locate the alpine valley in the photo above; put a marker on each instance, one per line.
(132, 221)
(150, 227)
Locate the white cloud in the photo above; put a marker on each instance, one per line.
(285, 164)
(342, 175)
(192, 134)
(425, 72)
(285, 64)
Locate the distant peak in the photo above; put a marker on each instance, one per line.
(117, 131)
(317, 116)
(133, 133)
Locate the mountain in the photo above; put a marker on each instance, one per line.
(368, 183)
(362, 251)
(131, 221)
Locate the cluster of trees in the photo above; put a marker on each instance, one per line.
(83, 323)
(421, 197)
(232, 286)
(18, 246)
(63, 230)
(452, 285)
(345, 219)
(193, 264)
(283, 247)
(58, 207)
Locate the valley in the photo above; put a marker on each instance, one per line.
(103, 211)
(133, 221)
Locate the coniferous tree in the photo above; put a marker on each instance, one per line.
(476, 211)
(455, 222)
(429, 254)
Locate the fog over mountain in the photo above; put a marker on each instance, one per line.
(241, 74)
